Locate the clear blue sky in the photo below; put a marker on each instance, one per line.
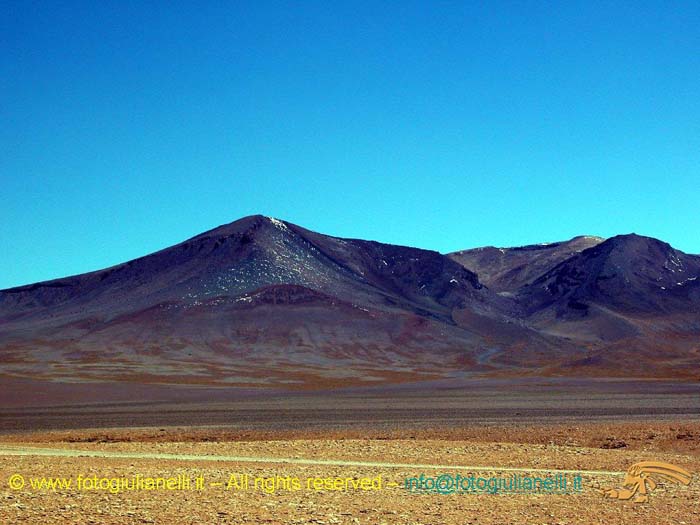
(128, 127)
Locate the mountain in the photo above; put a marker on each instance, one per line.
(627, 273)
(259, 301)
(262, 302)
(248, 255)
(508, 269)
(628, 286)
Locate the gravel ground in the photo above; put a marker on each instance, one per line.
(599, 447)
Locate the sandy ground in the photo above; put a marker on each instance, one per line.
(604, 447)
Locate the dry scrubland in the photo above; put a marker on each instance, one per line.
(577, 446)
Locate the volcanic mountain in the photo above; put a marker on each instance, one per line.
(257, 301)
(263, 302)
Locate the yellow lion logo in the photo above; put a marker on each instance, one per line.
(641, 479)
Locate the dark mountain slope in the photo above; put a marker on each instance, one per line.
(628, 274)
(248, 254)
(252, 301)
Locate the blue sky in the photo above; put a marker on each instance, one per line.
(129, 126)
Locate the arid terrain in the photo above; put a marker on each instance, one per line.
(266, 349)
(537, 427)
(29, 406)
(608, 449)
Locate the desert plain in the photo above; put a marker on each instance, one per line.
(487, 428)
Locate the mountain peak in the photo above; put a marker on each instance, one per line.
(626, 273)
(632, 239)
(631, 246)
(249, 223)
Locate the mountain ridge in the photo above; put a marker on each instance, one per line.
(264, 302)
